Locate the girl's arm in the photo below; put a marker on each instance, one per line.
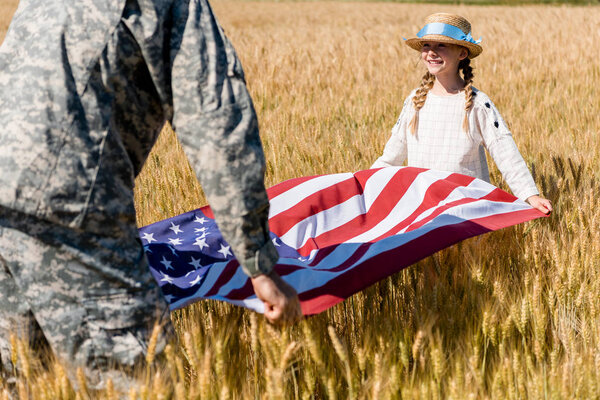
(503, 149)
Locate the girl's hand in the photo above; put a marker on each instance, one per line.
(540, 203)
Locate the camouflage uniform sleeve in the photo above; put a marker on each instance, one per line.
(216, 123)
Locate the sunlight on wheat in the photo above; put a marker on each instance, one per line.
(511, 315)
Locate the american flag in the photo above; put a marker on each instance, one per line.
(336, 234)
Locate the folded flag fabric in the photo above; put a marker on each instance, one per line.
(336, 234)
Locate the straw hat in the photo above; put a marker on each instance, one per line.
(447, 28)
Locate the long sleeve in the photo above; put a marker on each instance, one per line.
(216, 123)
(503, 149)
(395, 150)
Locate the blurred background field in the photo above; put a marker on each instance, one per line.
(7, 8)
(510, 315)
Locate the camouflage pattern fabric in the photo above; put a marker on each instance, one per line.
(90, 294)
(85, 88)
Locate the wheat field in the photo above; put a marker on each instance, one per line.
(514, 314)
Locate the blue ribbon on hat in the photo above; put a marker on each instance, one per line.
(439, 28)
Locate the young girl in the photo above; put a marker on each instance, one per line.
(446, 123)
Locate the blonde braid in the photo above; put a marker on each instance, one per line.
(467, 70)
(419, 99)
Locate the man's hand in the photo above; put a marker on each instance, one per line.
(540, 203)
(281, 301)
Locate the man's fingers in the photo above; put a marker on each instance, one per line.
(280, 300)
(287, 313)
(273, 315)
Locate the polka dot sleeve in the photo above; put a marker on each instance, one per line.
(499, 142)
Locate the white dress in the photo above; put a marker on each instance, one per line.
(440, 142)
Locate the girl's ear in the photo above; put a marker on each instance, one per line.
(464, 53)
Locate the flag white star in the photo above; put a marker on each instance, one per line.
(201, 243)
(166, 263)
(175, 228)
(172, 250)
(275, 242)
(175, 241)
(166, 278)
(204, 234)
(203, 229)
(195, 263)
(149, 237)
(200, 220)
(225, 251)
(195, 281)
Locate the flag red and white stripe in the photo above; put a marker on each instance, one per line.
(336, 234)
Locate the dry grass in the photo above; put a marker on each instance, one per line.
(7, 8)
(514, 314)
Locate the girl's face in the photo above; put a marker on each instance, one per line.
(442, 58)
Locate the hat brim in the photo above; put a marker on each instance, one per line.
(417, 43)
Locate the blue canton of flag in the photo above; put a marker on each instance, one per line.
(181, 250)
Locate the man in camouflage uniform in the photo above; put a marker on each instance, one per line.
(85, 87)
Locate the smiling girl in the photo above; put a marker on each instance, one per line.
(446, 123)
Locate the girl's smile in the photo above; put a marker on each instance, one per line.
(442, 61)
(442, 58)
